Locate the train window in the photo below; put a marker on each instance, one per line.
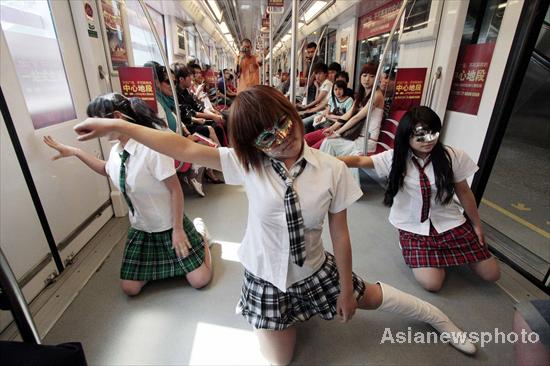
(144, 46)
(417, 18)
(32, 42)
(483, 21)
(192, 46)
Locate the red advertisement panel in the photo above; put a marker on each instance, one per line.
(409, 85)
(472, 66)
(138, 82)
(112, 17)
(378, 21)
(276, 3)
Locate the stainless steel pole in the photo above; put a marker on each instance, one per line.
(179, 130)
(294, 38)
(377, 76)
(18, 304)
(270, 52)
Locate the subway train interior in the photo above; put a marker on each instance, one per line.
(481, 67)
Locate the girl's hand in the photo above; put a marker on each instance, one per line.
(333, 135)
(92, 128)
(64, 150)
(180, 243)
(346, 305)
(328, 131)
(479, 232)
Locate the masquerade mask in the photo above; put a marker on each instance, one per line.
(277, 134)
(421, 134)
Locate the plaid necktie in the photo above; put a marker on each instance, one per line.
(294, 219)
(425, 188)
(122, 179)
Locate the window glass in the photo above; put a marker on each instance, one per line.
(144, 46)
(33, 45)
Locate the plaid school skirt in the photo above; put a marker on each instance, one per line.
(266, 307)
(150, 256)
(454, 247)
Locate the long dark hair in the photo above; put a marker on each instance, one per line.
(139, 112)
(361, 97)
(440, 157)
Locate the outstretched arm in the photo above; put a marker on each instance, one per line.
(65, 151)
(165, 142)
(339, 233)
(357, 161)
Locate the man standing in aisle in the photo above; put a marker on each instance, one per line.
(248, 67)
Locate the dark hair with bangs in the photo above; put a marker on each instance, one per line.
(140, 113)
(361, 97)
(440, 156)
(254, 110)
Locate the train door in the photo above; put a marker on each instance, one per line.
(45, 91)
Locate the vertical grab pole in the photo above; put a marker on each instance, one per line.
(293, 40)
(377, 76)
(270, 51)
(179, 130)
(18, 305)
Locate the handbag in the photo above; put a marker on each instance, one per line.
(354, 132)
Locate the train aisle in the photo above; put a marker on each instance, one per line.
(170, 323)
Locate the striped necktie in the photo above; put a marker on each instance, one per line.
(122, 179)
(294, 219)
(425, 188)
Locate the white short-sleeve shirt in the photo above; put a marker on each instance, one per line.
(325, 185)
(145, 171)
(407, 203)
(326, 86)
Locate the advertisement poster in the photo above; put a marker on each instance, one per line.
(344, 51)
(138, 82)
(472, 66)
(409, 85)
(378, 21)
(112, 18)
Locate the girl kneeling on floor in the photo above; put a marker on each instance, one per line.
(289, 277)
(423, 177)
(162, 242)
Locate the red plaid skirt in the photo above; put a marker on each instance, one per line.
(454, 247)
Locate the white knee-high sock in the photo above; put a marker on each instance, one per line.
(399, 302)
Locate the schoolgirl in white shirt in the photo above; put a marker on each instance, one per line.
(162, 242)
(289, 277)
(423, 177)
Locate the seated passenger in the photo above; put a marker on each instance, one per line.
(285, 83)
(338, 105)
(301, 279)
(343, 75)
(349, 138)
(423, 176)
(193, 115)
(324, 86)
(225, 94)
(162, 242)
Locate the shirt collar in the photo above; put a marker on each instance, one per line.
(130, 146)
(307, 154)
(412, 156)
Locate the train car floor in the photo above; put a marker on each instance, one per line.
(170, 323)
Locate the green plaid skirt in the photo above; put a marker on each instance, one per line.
(149, 256)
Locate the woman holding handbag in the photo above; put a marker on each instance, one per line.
(349, 138)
